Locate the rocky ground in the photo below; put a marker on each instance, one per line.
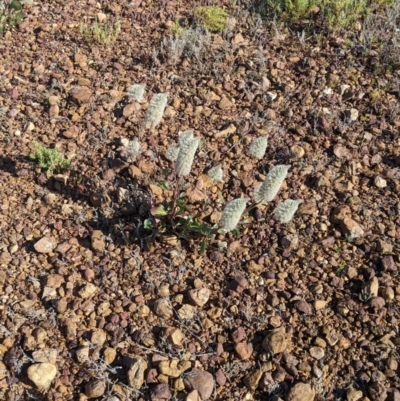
(92, 307)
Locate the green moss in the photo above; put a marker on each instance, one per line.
(213, 18)
(102, 34)
(50, 160)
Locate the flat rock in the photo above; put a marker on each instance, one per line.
(45, 245)
(136, 373)
(317, 352)
(275, 341)
(201, 381)
(54, 280)
(88, 291)
(303, 307)
(351, 228)
(42, 374)
(161, 392)
(72, 132)
(163, 308)
(5, 258)
(98, 337)
(252, 379)
(199, 297)
(81, 95)
(97, 240)
(243, 350)
(45, 355)
(301, 392)
(95, 388)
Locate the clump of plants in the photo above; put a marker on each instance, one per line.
(50, 160)
(102, 34)
(336, 13)
(11, 14)
(213, 18)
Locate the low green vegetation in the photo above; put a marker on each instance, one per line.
(213, 18)
(102, 34)
(50, 160)
(336, 13)
(10, 14)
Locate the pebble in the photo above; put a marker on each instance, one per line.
(88, 290)
(97, 241)
(252, 379)
(45, 245)
(275, 341)
(304, 307)
(175, 336)
(42, 374)
(199, 297)
(109, 355)
(163, 308)
(161, 392)
(54, 280)
(95, 388)
(317, 352)
(98, 337)
(353, 394)
(81, 95)
(301, 392)
(136, 373)
(244, 350)
(380, 182)
(5, 258)
(72, 132)
(45, 355)
(173, 368)
(201, 381)
(193, 396)
(351, 228)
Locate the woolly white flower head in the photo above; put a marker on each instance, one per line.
(267, 191)
(156, 108)
(185, 136)
(232, 213)
(136, 92)
(130, 150)
(216, 173)
(184, 161)
(172, 153)
(258, 147)
(286, 210)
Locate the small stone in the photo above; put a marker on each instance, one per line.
(136, 373)
(130, 108)
(224, 103)
(317, 352)
(88, 291)
(220, 377)
(353, 394)
(244, 350)
(82, 354)
(380, 182)
(297, 151)
(320, 304)
(163, 308)
(101, 17)
(98, 337)
(173, 368)
(303, 307)
(351, 228)
(161, 392)
(301, 392)
(95, 388)
(388, 264)
(384, 247)
(199, 297)
(175, 336)
(275, 341)
(42, 374)
(322, 181)
(109, 355)
(377, 302)
(201, 381)
(392, 363)
(371, 288)
(193, 396)
(45, 355)
(352, 114)
(5, 258)
(72, 132)
(97, 240)
(81, 94)
(186, 312)
(252, 379)
(45, 245)
(290, 241)
(54, 281)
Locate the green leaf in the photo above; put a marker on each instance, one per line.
(19, 16)
(158, 211)
(163, 184)
(15, 5)
(147, 224)
(203, 246)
